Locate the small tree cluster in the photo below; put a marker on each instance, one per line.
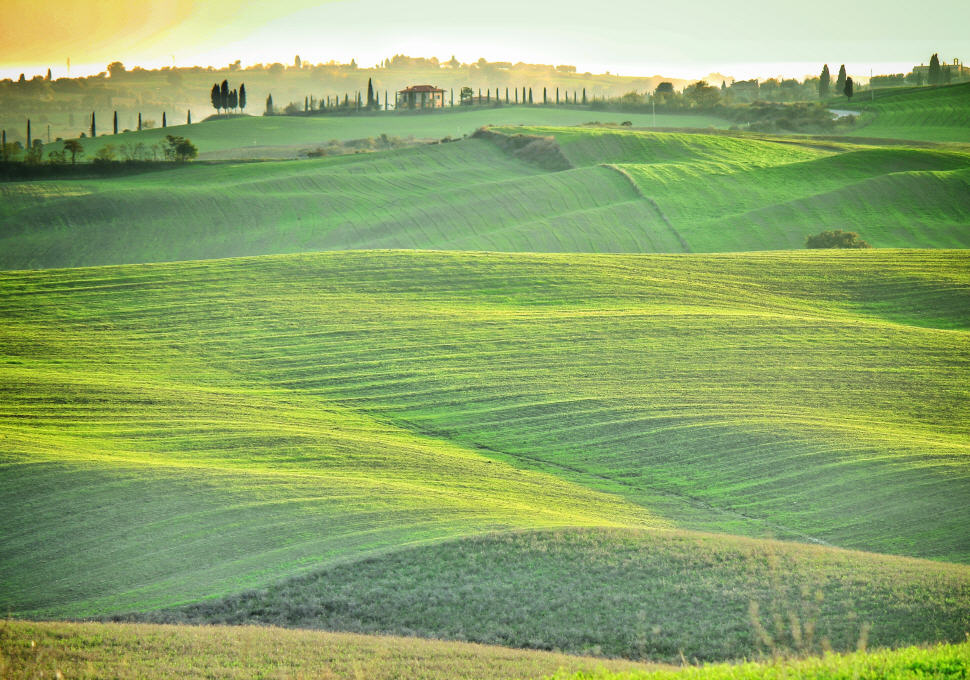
(224, 99)
(836, 239)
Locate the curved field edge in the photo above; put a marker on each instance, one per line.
(939, 662)
(156, 652)
(621, 593)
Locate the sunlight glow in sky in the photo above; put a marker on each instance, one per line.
(680, 39)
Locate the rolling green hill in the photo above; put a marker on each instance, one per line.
(177, 432)
(936, 114)
(217, 138)
(629, 191)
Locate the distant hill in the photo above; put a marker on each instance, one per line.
(628, 191)
(937, 114)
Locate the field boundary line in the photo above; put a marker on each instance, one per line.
(653, 204)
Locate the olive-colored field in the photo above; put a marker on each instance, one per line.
(177, 432)
(30, 650)
(152, 652)
(630, 191)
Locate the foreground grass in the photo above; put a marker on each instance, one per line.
(631, 191)
(153, 652)
(178, 432)
(942, 662)
(656, 595)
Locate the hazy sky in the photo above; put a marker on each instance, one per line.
(690, 38)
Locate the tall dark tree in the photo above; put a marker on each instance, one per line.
(94, 127)
(584, 95)
(48, 77)
(523, 95)
(216, 97)
(545, 96)
(139, 121)
(28, 134)
(370, 93)
(935, 73)
(530, 95)
(377, 101)
(840, 81)
(188, 117)
(224, 94)
(233, 99)
(306, 104)
(557, 96)
(824, 83)
(849, 88)
(242, 96)
(269, 104)
(506, 95)
(164, 120)
(3, 145)
(116, 123)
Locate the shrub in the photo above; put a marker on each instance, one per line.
(836, 239)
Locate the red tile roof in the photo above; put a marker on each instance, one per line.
(422, 88)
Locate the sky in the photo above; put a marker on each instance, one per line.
(686, 39)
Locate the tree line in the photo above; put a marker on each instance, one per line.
(224, 99)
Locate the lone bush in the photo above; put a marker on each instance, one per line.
(836, 239)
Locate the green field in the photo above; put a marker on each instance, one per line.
(178, 432)
(935, 114)
(217, 138)
(629, 191)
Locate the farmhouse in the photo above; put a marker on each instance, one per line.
(958, 71)
(421, 97)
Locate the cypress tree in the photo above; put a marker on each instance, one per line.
(224, 94)
(233, 99)
(377, 101)
(848, 88)
(840, 81)
(116, 123)
(506, 95)
(557, 96)
(242, 96)
(94, 128)
(545, 96)
(387, 99)
(164, 120)
(824, 83)
(935, 75)
(188, 118)
(370, 93)
(584, 95)
(48, 77)
(523, 95)
(3, 148)
(139, 121)
(28, 134)
(269, 104)
(306, 104)
(516, 95)
(530, 95)
(452, 97)
(216, 97)
(488, 96)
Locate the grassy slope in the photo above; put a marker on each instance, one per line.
(735, 194)
(703, 193)
(257, 131)
(178, 431)
(146, 652)
(453, 196)
(936, 114)
(634, 594)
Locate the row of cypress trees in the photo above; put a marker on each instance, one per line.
(224, 99)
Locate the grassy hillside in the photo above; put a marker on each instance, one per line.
(936, 114)
(31, 650)
(214, 136)
(634, 594)
(629, 192)
(181, 431)
(737, 194)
